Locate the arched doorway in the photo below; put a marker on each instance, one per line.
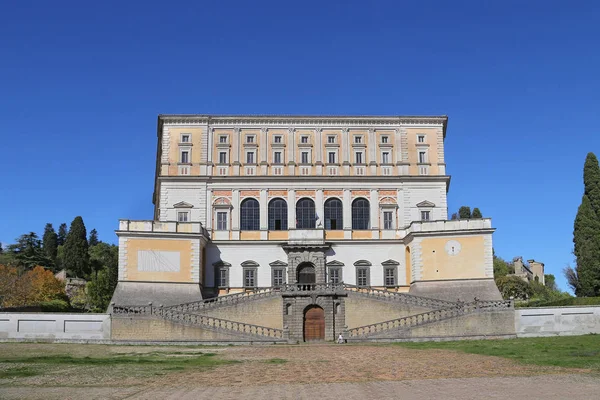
(314, 323)
(306, 275)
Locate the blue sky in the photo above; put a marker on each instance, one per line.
(82, 85)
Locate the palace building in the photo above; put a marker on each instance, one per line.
(302, 205)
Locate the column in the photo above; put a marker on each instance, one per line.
(374, 208)
(209, 152)
(209, 213)
(320, 209)
(291, 209)
(291, 145)
(264, 214)
(235, 214)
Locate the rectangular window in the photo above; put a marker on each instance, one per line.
(424, 215)
(357, 139)
(185, 157)
(278, 274)
(222, 139)
(185, 138)
(359, 157)
(385, 157)
(249, 139)
(331, 157)
(221, 221)
(250, 278)
(330, 139)
(422, 157)
(183, 216)
(390, 277)
(277, 139)
(304, 139)
(384, 139)
(305, 157)
(223, 280)
(388, 220)
(362, 277)
(335, 276)
(421, 139)
(277, 157)
(250, 157)
(223, 157)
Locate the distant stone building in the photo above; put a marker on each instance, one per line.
(532, 272)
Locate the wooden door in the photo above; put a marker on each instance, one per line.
(314, 324)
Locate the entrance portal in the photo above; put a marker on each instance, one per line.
(314, 324)
(306, 276)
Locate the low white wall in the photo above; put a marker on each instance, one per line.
(557, 321)
(54, 326)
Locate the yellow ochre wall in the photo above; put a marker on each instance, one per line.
(438, 264)
(184, 247)
(432, 149)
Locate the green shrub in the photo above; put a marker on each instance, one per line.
(55, 306)
(570, 301)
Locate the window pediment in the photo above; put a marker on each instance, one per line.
(222, 202)
(277, 263)
(182, 204)
(249, 264)
(390, 263)
(221, 263)
(425, 203)
(362, 263)
(335, 263)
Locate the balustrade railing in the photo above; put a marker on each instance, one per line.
(226, 300)
(400, 297)
(312, 287)
(199, 320)
(431, 316)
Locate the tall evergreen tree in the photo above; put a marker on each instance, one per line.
(93, 240)
(464, 212)
(76, 258)
(586, 238)
(28, 251)
(62, 234)
(591, 181)
(476, 213)
(1, 250)
(50, 242)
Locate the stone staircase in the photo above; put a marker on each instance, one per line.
(398, 297)
(226, 300)
(412, 321)
(240, 329)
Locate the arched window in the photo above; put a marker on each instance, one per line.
(278, 215)
(250, 215)
(334, 219)
(360, 214)
(305, 214)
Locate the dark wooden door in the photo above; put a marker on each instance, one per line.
(314, 324)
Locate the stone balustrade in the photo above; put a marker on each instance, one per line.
(405, 298)
(126, 225)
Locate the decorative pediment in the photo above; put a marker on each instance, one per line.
(388, 201)
(182, 204)
(390, 263)
(249, 263)
(222, 202)
(221, 263)
(278, 263)
(362, 263)
(425, 203)
(335, 263)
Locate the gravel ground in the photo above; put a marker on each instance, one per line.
(301, 372)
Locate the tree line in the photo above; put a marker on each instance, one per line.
(71, 249)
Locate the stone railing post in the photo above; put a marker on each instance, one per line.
(150, 305)
(286, 334)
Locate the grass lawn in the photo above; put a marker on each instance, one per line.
(26, 360)
(560, 351)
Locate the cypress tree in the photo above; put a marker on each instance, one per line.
(62, 234)
(93, 240)
(586, 238)
(476, 213)
(76, 258)
(464, 212)
(591, 181)
(50, 242)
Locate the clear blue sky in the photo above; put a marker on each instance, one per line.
(81, 85)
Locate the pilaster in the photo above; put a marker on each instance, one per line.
(209, 213)
(291, 209)
(319, 207)
(264, 226)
